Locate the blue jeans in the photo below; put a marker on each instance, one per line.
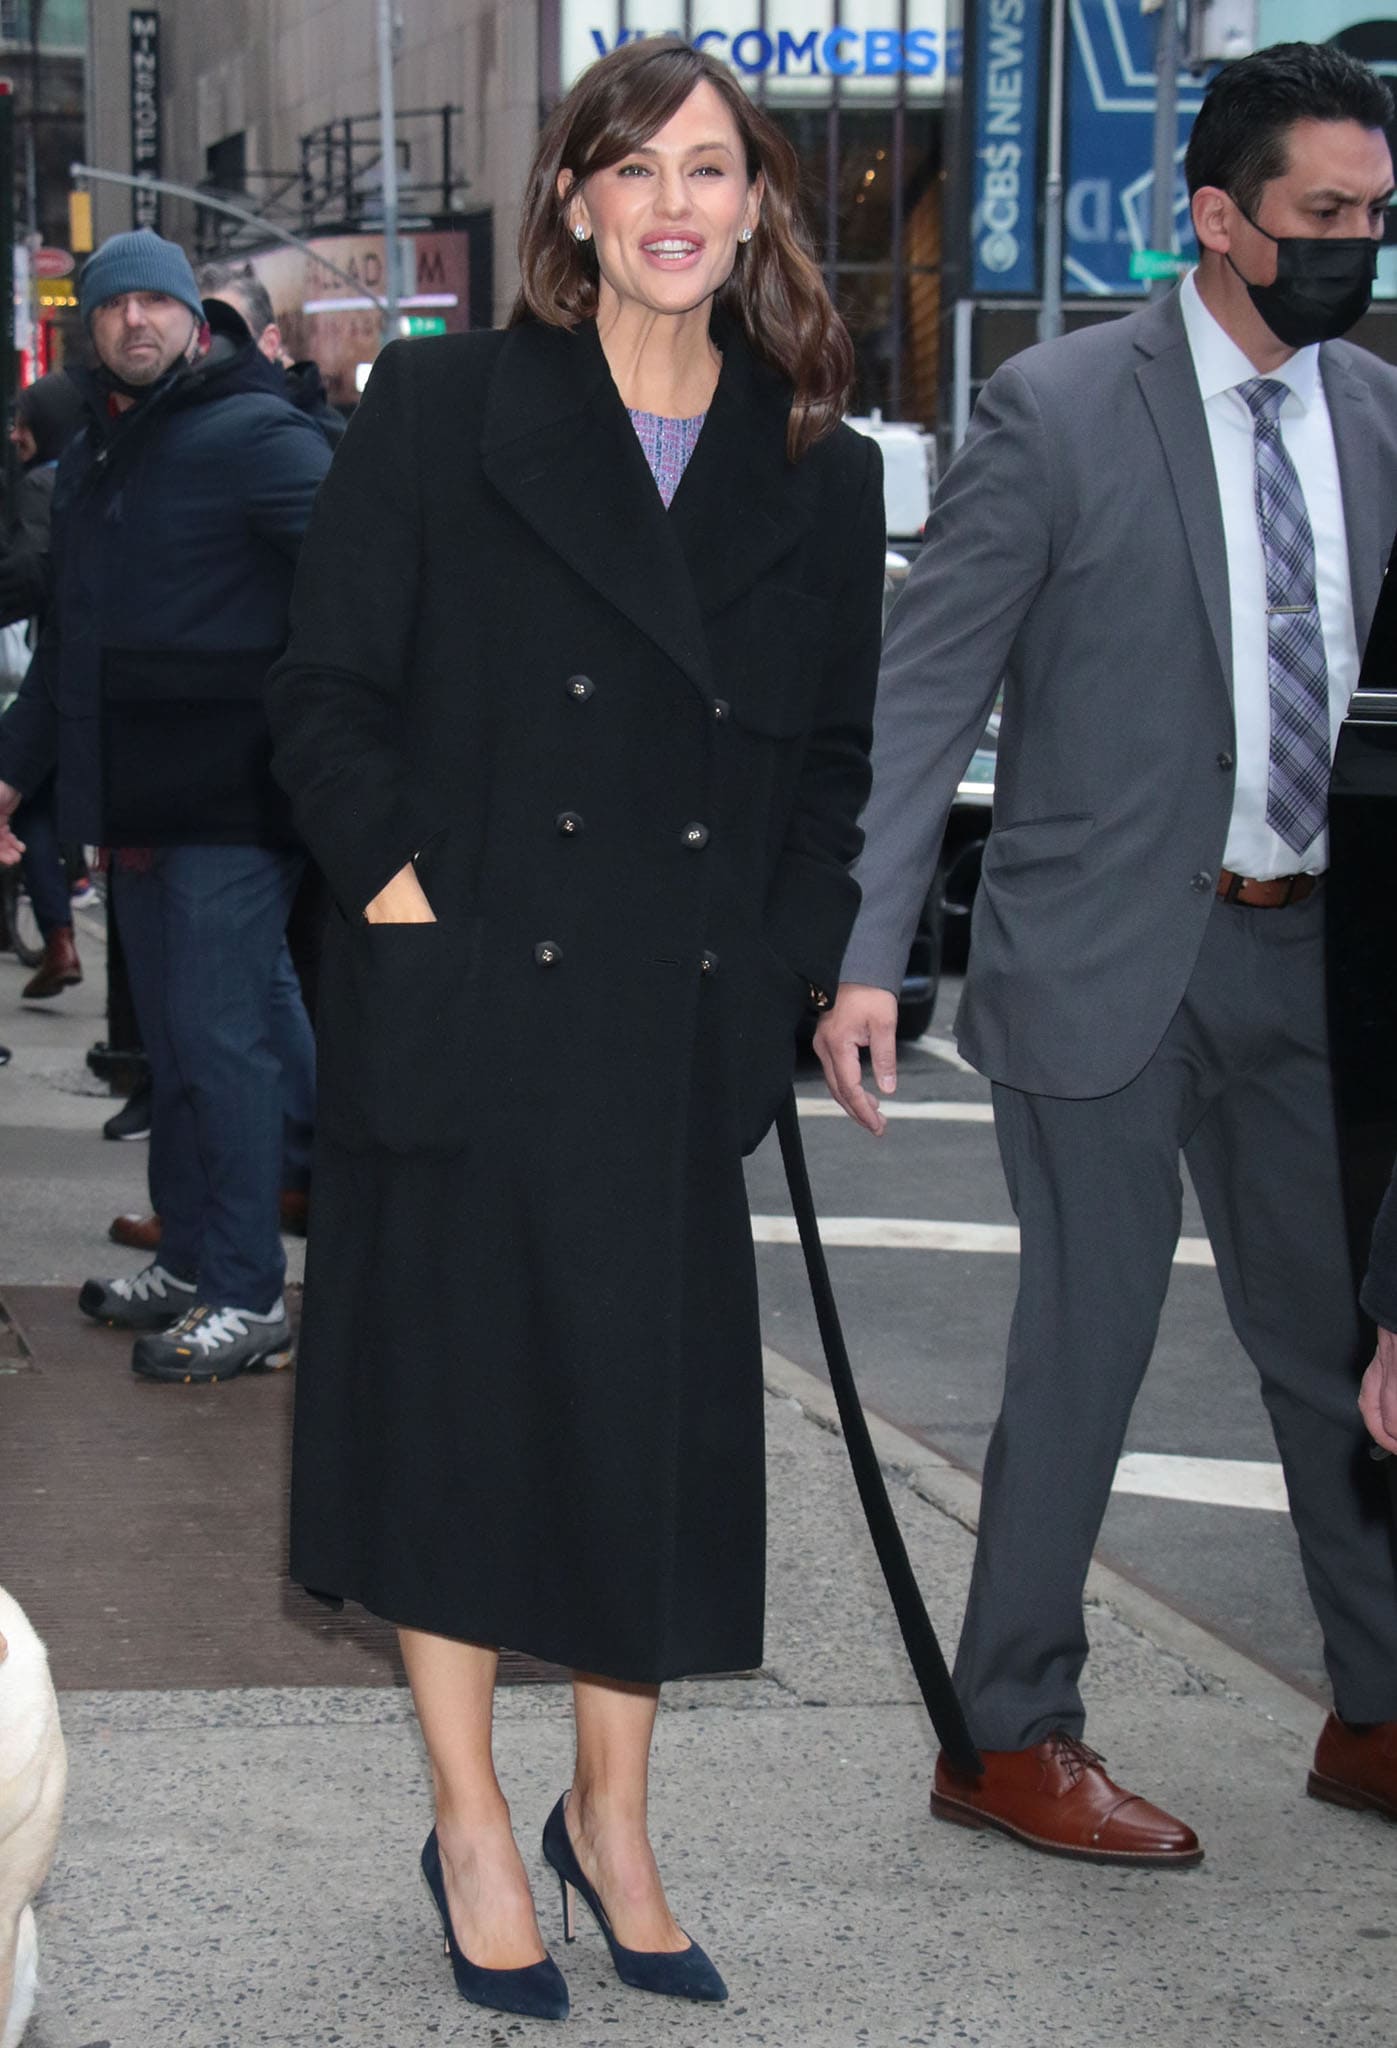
(231, 1058)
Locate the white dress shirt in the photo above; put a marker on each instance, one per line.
(1253, 848)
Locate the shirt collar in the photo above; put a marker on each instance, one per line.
(1221, 366)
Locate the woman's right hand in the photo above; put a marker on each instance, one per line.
(401, 901)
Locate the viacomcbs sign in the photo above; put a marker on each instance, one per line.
(791, 55)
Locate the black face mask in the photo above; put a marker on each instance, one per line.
(1323, 285)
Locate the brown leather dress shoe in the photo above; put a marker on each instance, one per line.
(137, 1233)
(1057, 1797)
(142, 1233)
(1356, 1766)
(60, 967)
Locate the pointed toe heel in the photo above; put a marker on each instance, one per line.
(686, 1973)
(538, 1992)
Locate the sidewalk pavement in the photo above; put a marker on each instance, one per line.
(239, 1867)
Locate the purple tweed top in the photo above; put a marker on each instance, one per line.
(668, 444)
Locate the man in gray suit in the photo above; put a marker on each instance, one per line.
(1165, 536)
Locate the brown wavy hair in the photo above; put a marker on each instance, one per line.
(775, 292)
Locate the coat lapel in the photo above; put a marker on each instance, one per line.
(1170, 389)
(558, 445)
(742, 504)
(1359, 449)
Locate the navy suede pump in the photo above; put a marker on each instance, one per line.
(687, 1973)
(539, 1991)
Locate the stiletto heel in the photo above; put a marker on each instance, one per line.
(569, 1910)
(687, 1973)
(539, 1991)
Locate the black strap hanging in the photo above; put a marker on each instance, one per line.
(928, 1663)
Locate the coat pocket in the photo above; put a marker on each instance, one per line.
(1010, 847)
(186, 750)
(399, 1037)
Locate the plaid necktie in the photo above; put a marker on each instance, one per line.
(1298, 784)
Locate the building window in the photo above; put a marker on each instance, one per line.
(872, 195)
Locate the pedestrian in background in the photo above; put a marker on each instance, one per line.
(575, 717)
(178, 514)
(47, 415)
(1166, 535)
(238, 286)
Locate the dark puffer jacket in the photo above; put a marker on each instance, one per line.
(176, 527)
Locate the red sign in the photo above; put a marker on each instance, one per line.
(53, 263)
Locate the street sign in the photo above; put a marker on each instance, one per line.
(1148, 265)
(417, 324)
(53, 263)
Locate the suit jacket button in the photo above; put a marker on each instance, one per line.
(721, 708)
(1225, 761)
(708, 963)
(568, 823)
(695, 836)
(548, 953)
(580, 687)
(1202, 880)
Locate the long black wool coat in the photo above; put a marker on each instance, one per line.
(627, 749)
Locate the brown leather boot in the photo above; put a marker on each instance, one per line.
(1357, 1766)
(1056, 1796)
(60, 967)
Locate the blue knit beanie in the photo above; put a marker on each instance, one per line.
(140, 261)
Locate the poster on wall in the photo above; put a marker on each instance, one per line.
(335, 321)
(1110, 180)
(793, 52)
(145, 113)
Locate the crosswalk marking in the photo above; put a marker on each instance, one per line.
(926, 1112)
(1209, 1482)
(916, 1234)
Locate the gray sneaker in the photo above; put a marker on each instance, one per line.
(209, 1344)
(149, 1300)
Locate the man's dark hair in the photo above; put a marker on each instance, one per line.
(217, 278)
(1239, 135)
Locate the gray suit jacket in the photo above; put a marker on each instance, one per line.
(1076, 552)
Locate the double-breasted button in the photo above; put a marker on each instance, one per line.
(547, 953)
(708, 963)
(721, 709)
(1202, 880)
(695, 836)
(568, 823)
(1225, 761)
(580, 688)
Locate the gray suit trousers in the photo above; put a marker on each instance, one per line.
(1240, 1087)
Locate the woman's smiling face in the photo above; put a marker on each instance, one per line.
(666, 218)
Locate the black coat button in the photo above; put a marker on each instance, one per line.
(548, 953)
(708, 963)
(580, 687)
(721, 708)
(1202, 880)
(695, 836)
(1225, 761)
(568, 823)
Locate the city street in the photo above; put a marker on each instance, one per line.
(1199, 1509)
(247, 1789)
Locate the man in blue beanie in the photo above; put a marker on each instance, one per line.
(177, 516)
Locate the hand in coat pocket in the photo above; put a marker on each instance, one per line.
(401, 901)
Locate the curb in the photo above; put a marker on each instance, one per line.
(956, 1493)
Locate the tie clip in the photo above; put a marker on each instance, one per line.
(1274, 611)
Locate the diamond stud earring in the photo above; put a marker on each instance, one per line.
(745, 236)
(581, 233)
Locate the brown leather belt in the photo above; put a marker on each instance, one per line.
(1270, 895)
